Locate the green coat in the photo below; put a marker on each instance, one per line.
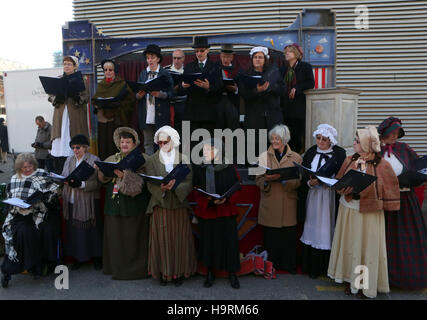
(173, 199)
(123, 205)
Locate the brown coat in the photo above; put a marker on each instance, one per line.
(278, 205)
(77, 112)
(383, 194)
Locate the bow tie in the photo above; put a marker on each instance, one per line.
(389, 149)
(322, 156)
(152, 73)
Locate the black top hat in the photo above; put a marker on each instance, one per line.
(201, 42)
(79, 139)
(227, 48)
(153, 48)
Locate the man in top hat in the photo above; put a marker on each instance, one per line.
(154, 106)
(230, 103)
(204, 95)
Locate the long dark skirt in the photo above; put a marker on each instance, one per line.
(219, 243)
(27, 244)
(406, 238)
(315, 262)
(106, 145)
(50, 232)
(83, 244)
(281, 244)
(125, 248)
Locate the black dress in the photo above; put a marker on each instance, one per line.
(219, 243)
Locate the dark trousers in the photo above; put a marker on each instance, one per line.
(58, 164)
(281, 244)
(46, 164)
(297, 128)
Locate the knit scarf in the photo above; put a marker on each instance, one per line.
(210, 175)
(290, 78)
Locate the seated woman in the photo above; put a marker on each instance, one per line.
(319, 201)
(359, 238)
(172, 255)
(81, 208)
(125, 248)
(219, 241)
(27, 232)
(278, 204)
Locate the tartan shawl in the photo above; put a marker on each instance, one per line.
(403, 152)
(22, 188)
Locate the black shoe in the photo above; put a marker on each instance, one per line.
(97, 264)
(5, 278)
(178, 281)
(163, 282)
(313, 276)
(37, 272)
(235, 284)
(76, 266)
(209, 281)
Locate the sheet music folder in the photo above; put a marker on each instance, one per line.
(235, 187)
(178, 173)
(65, 86)
(133, 161)
(83, 172)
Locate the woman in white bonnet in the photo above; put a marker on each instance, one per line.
(318, 201)
(172, 254)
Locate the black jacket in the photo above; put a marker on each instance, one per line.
(202, 104)
(262, 109)
(295, 108)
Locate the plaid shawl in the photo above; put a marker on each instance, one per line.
(403, 152)
(22, 188)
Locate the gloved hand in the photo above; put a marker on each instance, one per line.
(75, 183)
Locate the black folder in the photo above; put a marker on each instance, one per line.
(133, 161)
(83, 172)
(288, 173)
(110, 102)
(25, 204)
(235, 187)
(228, 82)
(66, 86)
(420, 163)
(177, 77)
(250, 82)
(189, 78)
(327, 170)
(359, 181)
(156, 84)
(178, 173)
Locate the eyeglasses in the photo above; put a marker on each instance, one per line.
(322, 138)
(200, 50)
(177, 58)
(162, 142)
(76, 147)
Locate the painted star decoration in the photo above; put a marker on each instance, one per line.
(87, 60)
(99, 32)
(77, 53)
(108, 48)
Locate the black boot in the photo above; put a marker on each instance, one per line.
(178, 281)
(235, 284)
(97, 263)
(5, 278)
(37, 272)
(210, 278)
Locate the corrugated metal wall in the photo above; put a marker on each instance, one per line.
(387, 61)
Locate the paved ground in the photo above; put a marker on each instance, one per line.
(86, 283)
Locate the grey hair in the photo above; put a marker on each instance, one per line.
(21, 159)
(282, 132)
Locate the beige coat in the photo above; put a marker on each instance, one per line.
(77, 112)
(278, 205)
